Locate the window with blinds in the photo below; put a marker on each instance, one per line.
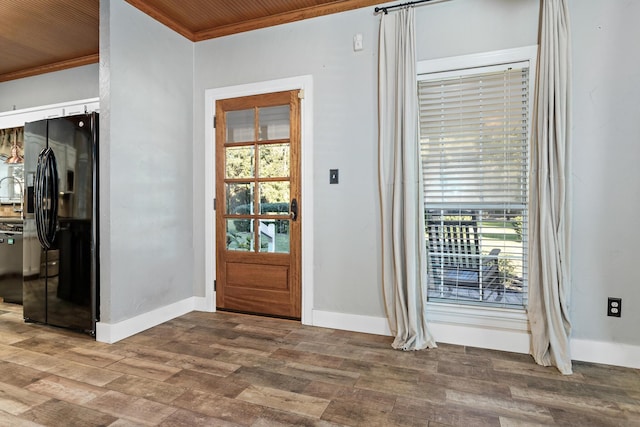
(474, 127)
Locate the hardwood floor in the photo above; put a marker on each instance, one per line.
(224, 369)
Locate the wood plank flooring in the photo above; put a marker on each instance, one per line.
(225, 369)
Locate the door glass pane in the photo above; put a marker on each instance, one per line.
(274, 122)
(274, 198)
(240, 126)
(274, 236)
(240, 235)
(240, 198)
(239, 162)
(274, 161)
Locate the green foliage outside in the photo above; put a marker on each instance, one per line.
(273, 163)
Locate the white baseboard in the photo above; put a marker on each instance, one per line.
(489, 335)
(487, 331)
(113, 332)
(607, 353)
(491, 332)
(484, 327)
(351, 322)
(482, 337)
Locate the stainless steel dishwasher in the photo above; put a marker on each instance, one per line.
(11, 261)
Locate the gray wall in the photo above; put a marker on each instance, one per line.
(346, 215)
(146, 101)
(51, 88)
(460, 27)
(605, 147)
(347, 253)
(606, 126)
(149, 190)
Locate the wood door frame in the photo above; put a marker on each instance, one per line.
(304, 83)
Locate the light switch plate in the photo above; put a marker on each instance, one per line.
(333, 176)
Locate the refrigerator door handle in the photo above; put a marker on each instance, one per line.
(52, 197)
(39, 198)
(46, 197)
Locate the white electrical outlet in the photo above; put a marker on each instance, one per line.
(357, 42)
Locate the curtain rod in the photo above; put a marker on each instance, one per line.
(399, 5)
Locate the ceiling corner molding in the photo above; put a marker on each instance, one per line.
(49, 68)
(144, 7)
(283, 18)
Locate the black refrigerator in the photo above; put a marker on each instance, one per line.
(60, 232)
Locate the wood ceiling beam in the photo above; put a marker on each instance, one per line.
(284, 18)
(253, 24)
(48, 68)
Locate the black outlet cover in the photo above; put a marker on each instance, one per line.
(614, 307)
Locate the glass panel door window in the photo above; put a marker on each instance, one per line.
(257, 179)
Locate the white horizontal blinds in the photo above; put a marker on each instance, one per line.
(474, 150)
(473, 131)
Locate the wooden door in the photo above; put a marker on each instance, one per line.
(258, 220)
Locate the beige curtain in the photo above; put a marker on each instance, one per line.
(400, 184)
(549, 243)
(11, 139)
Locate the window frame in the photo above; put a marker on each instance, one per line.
(510, 319)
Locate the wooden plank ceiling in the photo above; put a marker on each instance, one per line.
(40, 36)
